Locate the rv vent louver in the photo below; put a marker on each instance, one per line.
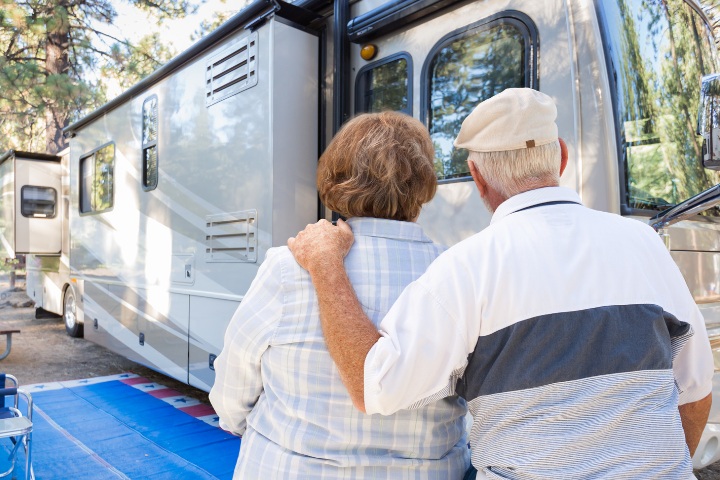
(231, 70)
(231, 237)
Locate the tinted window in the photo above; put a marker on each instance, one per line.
(657, 53)
(385, 87)
(37, 201)
(149, 143)
(467, 69)
(97, 180)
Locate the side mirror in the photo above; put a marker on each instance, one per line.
(709, 121)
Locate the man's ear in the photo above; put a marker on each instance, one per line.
(563, 155)
(480, 182)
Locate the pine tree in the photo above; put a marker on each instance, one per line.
(54, 58)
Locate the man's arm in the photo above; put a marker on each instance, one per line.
(694, 416)
(349, 333)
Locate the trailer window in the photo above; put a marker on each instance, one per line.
(37, 202)
(656, 53)
(97, 180)
(385, 85)
(149, 143)
(467, 68)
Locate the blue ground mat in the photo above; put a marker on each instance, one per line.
(124, 427)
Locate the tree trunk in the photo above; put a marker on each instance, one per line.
(57, 63)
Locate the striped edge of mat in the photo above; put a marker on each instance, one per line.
(186, 404)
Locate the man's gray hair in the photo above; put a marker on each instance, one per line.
(515, 171)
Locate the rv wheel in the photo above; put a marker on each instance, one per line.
(72, 326)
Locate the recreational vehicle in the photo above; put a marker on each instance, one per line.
(178, 187)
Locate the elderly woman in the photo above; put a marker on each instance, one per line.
(275, 382)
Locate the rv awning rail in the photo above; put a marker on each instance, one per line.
(391, 15)
(246, 18)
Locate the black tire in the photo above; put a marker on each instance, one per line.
(72, 326)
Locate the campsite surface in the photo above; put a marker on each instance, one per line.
(44, 353)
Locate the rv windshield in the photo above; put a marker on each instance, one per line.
(657, 51)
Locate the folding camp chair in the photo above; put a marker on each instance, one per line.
(14, 425)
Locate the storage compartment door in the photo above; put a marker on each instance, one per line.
(38, 219)
(209, 317)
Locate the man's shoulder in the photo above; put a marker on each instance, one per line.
(632, 229)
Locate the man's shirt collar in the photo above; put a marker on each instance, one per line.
(532, 198)
(394, 229)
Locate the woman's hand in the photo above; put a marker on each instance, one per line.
(321, 245)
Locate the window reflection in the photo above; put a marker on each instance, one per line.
(104, 163)
(385, 87)
(658, 52)
(468, 70)
(97, 180)
(149, 143)
(150, 172)
(149, 133)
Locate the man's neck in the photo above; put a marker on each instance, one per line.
(494, 199)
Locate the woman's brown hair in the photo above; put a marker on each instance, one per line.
(378, 165)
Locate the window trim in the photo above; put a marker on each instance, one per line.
(527, 28)
(47, 217)
(149, 145)
(625, 209)
(80, 190)
(378, 63)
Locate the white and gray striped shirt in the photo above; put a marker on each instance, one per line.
(570, 332)
(276, 383)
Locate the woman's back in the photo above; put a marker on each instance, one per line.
(304, 424)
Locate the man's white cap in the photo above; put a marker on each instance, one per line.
(513, 119)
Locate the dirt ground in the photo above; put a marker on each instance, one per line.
(43, 352)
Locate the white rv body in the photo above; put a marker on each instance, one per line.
(159, 270)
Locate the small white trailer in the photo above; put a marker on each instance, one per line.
(30, 203)
(34, 215)
(179, 186)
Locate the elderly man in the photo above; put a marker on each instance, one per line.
(570, 332)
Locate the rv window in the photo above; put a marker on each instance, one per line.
(97, 180)
(466, 69)
(149, 143)
(37, 201)
(384, 85)
(656, 54)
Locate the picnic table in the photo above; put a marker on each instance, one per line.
(8, 343)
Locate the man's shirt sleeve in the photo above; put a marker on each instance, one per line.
(693, 365)
(423, 345)
(238, 381)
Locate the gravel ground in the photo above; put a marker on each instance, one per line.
(43, 352)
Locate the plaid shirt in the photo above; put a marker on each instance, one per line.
(277, 386)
